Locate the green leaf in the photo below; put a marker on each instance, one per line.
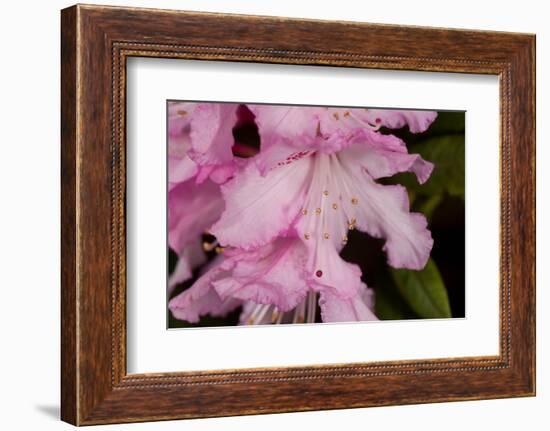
(388, 304)
(424, 291)
(447, 123)
(447, 154)
(428, 205)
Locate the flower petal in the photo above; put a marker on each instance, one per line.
(192, 208)
(274, 274)
(285, 121)
(179, 118)
(386, 155)
(180, 166)
(201, 299)
(383, 212)
(329, 272)
(212, 133)
(293, 129)
(180, 169)
(358, 308)
(418, 121)
(259, 208)
(191, 257)
(281, 153)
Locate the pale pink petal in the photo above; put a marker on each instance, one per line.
(212, 133)
(286, 121)
(383, 212)
(201, 299)
(200, 140)
(190, 258)
(179, 118)
(418, 121)
(327, 271)
(219, 174)
(358, 308)
(340, 196)
(281, 153)
(192, 208)
(222, 173)
(386, 155)
(180, 166)
(259, 208)
(297, 129)
(336, 141)
(385, 164)
(180, 169)
(323, 225)
(274, 274)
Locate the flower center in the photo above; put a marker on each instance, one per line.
(304, 312)
(330, 208)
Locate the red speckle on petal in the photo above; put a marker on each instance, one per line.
(378, 121)
(319, 273)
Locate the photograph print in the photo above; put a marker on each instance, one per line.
(291, 214)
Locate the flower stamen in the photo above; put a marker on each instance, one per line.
(209, 246)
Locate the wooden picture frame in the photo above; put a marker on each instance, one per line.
(95, 43)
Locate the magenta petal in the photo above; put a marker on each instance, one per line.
(259, 208)
(274, 274)
(418, 121)
(358, 308)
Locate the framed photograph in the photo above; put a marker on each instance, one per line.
(254, 206)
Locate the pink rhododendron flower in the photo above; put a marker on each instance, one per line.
(287, 211)
(200, 157)
(192, 209)
(273, 285)
(200, 141)
(201, 299)
(180, 166)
